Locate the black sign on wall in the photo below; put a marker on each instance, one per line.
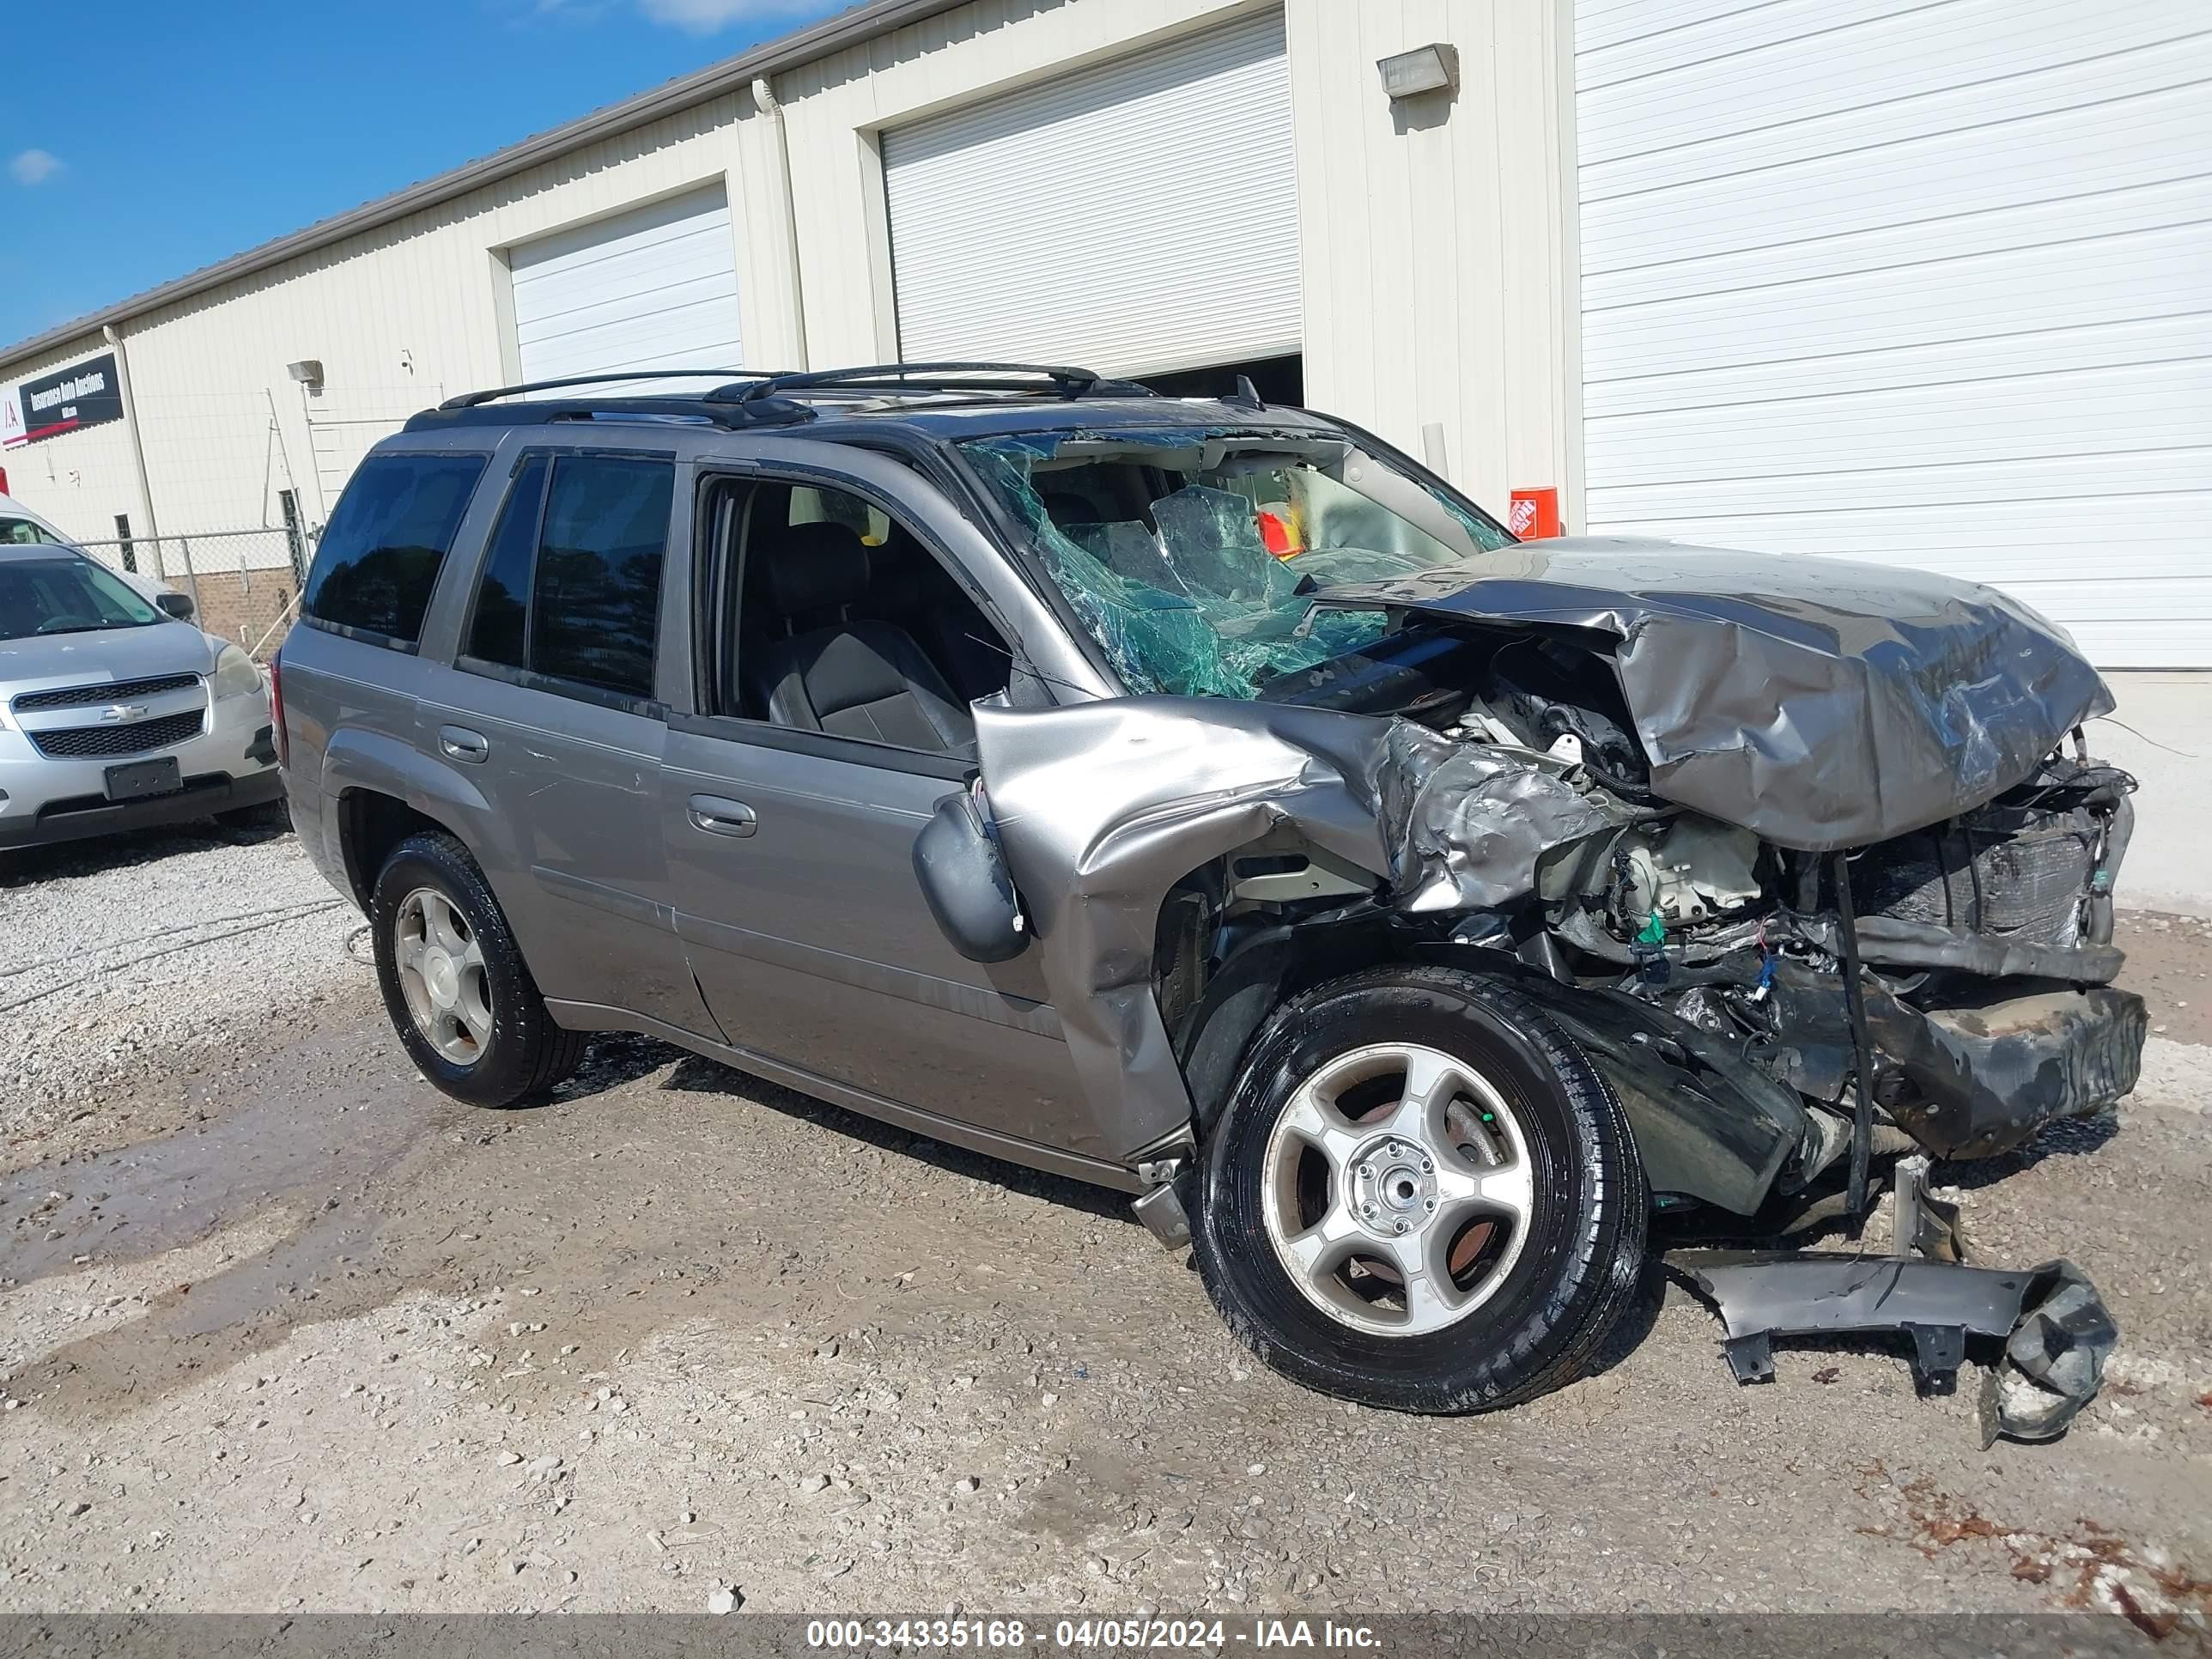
(83, 394)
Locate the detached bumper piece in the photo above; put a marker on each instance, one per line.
(2056, 1330)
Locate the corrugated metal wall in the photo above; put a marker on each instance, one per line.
(1134, 217)
(398, 319)
(1434, 248)
(1925, 284)
(1427, 237)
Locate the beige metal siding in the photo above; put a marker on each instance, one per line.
(1437, 261)
(398, 319)
(1429, 237)
(81, 480)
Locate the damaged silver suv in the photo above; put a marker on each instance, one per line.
(1201, 798)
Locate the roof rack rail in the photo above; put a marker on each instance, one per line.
(1065, 382)
(735, 380)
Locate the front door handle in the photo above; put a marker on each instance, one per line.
(718, 817)
(458, 743)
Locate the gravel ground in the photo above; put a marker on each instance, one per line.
(283, 1328)
(162, 950)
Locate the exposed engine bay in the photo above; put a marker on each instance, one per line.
(1985, 938)
(1810, 858)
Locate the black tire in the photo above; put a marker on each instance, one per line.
(1579, 1263)
(527, 1053)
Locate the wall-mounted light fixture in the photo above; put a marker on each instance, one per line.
(308, 372)
(1425, 69)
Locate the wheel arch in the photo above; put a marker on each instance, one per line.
(385, 790)
(1707, 1127)
(1265, 969)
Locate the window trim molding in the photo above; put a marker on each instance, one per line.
(526, 679)
(823, 745)
(364, 636)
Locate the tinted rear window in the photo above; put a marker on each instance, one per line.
(383, 547)
(596, 599)
(500, 632)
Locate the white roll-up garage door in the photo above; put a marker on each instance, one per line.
(655, 287)
(1928, 283)
(1140, 214)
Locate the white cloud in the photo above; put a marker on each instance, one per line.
(710, 16)
(34, 167)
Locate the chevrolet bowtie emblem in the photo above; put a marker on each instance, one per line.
(121, 713)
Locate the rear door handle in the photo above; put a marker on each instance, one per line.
(458, 743)
(718, 817)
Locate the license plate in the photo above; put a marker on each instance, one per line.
(142, 778)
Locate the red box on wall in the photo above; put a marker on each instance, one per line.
(1536, 514)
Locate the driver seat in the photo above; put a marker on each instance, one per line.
(829, 672)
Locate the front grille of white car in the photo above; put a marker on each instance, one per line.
(140, 738)
(88, 696)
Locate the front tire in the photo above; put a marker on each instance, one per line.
(1421, 1195)
(455, 985)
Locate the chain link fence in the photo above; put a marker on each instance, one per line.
(244, 584)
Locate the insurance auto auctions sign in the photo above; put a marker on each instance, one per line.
(83, 394)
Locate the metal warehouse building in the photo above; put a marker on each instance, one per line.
(1928, 281)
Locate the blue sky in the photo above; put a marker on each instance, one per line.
(143, 139)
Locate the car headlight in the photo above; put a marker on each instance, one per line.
(235, 675)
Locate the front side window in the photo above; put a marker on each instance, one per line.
(66, 595)
(571, 585)
(385, 544)
(1192, 557)
(837, 619)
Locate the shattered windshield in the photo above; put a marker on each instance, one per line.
(1193, 555)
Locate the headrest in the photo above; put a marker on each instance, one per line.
(816, 567)
(1065, 508)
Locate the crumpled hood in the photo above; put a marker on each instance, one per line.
(1818, 702)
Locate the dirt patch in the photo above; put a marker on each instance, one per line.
(2170, 966)
(2089, 1567)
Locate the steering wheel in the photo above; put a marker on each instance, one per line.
(68, 619)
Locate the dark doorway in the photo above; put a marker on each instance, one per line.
(1276, 380)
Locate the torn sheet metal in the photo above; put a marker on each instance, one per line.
(1465, 824)
(2057, 1331)
(1102, 807)
(1709, 1125)
(1821, 703)
(1979, 1078)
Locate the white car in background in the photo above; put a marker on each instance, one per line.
(115, 712)
(21, 527)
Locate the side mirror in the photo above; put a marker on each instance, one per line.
(178, 606)
(962, 872)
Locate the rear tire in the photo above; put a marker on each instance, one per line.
(455, 985)
(1421, 1195)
